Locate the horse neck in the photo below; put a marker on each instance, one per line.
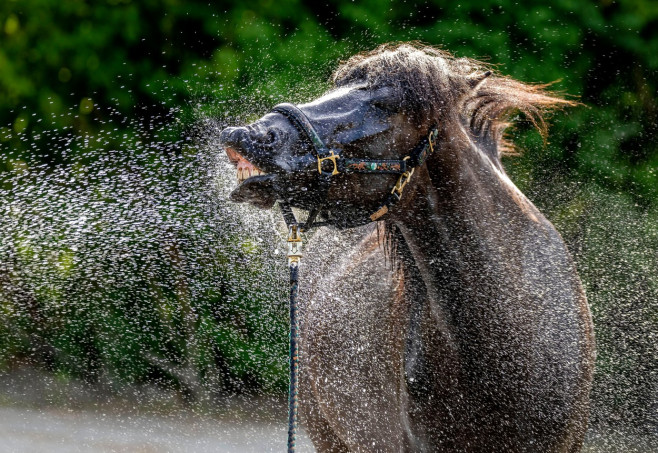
(464, 223)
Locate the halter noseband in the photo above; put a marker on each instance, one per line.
(330, 163)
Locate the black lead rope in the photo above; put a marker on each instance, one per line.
(294, 256)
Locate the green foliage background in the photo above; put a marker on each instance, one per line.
(69, 68)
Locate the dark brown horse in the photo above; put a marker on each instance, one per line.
(456, 322)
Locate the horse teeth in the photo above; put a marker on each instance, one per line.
(246, 173)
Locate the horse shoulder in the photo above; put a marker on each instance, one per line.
(352, 341)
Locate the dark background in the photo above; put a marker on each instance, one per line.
(117, 265)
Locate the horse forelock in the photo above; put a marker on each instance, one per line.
(433, 84)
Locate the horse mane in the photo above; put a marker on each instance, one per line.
(433, 84)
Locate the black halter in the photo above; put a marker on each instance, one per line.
(330, 163)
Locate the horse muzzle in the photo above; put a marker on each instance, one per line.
(265, 171)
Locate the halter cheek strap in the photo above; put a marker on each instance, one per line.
(330, 163)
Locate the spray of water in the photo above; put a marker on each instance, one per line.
(124, 263)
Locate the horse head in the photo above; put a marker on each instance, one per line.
(345, 152)
(340, 154)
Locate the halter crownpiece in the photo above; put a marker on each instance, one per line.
(330, 163)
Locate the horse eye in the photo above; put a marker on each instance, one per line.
(343, 127)
(387, 105)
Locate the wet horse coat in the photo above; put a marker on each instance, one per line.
(458, 323)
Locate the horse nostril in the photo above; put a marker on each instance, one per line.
(270, 137)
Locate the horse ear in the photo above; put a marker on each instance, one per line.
(476, 80)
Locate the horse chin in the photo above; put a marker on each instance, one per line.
(342, 217)
(256, 190)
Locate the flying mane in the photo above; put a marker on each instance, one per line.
(431, 83)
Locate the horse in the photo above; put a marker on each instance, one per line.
(440, 310)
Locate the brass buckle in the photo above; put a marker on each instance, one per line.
(332, 158)
(294, 245)
(402, 181)
(432, 139)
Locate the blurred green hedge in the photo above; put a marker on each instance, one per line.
(74, 69)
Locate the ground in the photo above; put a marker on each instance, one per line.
(73, 431)
(41, 414)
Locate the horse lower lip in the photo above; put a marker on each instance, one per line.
(257, 190)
